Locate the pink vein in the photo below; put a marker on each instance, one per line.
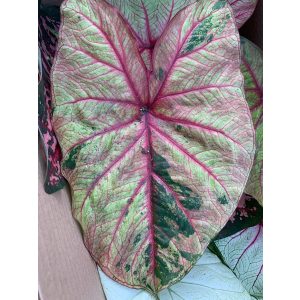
(125, 71)
(199, 125)
(259, 272)
(248, 247)
(119, 101)
(97, 179)
(174, 194)
(147, 23)
(149, 185)
(183, 150)
(111, 128)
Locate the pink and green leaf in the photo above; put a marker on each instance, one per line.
(242, 10)
(252, 69)
(243, 253)
(156, 161)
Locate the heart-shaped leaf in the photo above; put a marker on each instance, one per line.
(209, 279)
(242, 9)
(243, 253)
(48, 34)
(252, 69)
(248, 213)
(156, 162)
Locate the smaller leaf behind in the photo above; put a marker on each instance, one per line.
(248, 213)
(243, 254)
(252, 69)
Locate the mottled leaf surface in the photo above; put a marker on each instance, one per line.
(48, 35)
(156, 163)
(149, 18)
(252, 69)
(243, 253)
(247, 214)
(243, 10)
(209, 279)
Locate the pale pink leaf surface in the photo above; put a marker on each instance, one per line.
(156, 163)
(252, 69)
(242, 10)
(243, 253)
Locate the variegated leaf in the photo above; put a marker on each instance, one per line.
(156, 164)
(242, 9)
(48, 34)
(252, 69)
(243, 253)
(209, 279)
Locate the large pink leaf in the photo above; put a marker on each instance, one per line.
(252, 69)
(242, 9)
(156, 161)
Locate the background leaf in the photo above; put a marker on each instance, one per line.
(242, 9)
(247, 214)
(252, 69)
(48, 34)
(243, 253)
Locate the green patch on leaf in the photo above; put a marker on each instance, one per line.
(189, 199)
(219, 4)
(163, 272)
(223, 199)
(199, 34)
(169, 219)
(70, 162)
(127, 268)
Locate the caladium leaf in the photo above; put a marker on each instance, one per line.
(209, 279)
(48, 35)
(156, 163)
(243, 253)
(242, 9)
(247, 214)
(252, 69)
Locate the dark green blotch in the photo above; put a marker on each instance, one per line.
(223, 199)
(137, 239)
(219, 4)
(199, 34)
(162, 271)
(191, 200)
(210, 37)
(160, 74)
(70, 162)
(135, 272)
(178, 127)
(127, 268)
(168, 218)
(147, 255)
(189, 256)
